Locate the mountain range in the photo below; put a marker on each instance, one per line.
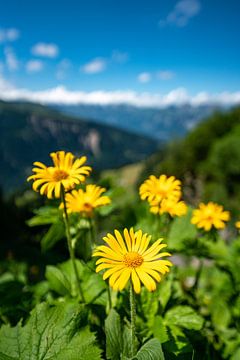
(29, 132)
(159, 123)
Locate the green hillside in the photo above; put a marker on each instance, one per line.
(29, 132)
(207, 160)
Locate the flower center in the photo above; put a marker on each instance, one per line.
(132, 259)
(162, 191)
(59, 175)
(87, 207)
(209, 218)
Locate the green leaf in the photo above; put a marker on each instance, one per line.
(184, 316)
(55, 233)
(181, 230)
(221, 314)
(58, 281)
(236, 355)
(51, 333)
(160, 330)
(150, 303)
(44, 215)
(178, 342)
(114, 339)
(62, 280)
(165, 290)
(126, 343)
(151, 350)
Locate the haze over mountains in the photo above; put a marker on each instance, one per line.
(159, 123)
(29, 132)
(110, 136)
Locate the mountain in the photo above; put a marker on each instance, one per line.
(162, 124)
(29, 132)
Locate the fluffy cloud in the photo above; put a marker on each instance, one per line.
(45, 50)
(94, 66)
(34, 66)
(144, 77)
(61, 95)
(183, 11)
(11, 34)
(11, 59)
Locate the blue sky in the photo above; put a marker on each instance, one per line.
(153, 47)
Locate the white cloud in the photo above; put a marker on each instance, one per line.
(165, 75)
(183, 11)
(11, 59)
(144, 77)
(94, 66)
(45, 50)
(11, 34)
(119, 57)
(62, 68)
(61, 95)
(34, 66)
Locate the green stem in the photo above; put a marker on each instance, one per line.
(198, 274)
(69, 242)
(92, 231)
(133, 319)
(109, 297)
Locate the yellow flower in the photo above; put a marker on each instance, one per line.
(129, 257)
(160, 188)
(237, 224)
(173, 208)
(86, 201)
(66, 171)
(210, 215)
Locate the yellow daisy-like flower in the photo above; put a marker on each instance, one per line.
(86, 201)
(129, 257)
(160, 188)
(210, 215)
(173, 208)
(237, 224)
(66, 171)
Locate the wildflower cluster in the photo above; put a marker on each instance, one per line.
(210, 215)
(164, 195)
(66, 173)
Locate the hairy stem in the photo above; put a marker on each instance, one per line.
(69, 242)
(133, 319)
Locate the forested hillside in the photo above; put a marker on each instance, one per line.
(207, 160)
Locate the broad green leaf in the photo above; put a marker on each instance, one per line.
(58, 280)
(51, 333)
(44, 215)
(62, 279)
(114, 338)
(160, 330)
(178, 342)
(236, 355)
(151, 350)
(221, 314)
(55, 233)
(165, 290)
(149, 304)
(184, 316)
(181, 230)
(5, 357)
(126, 343)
